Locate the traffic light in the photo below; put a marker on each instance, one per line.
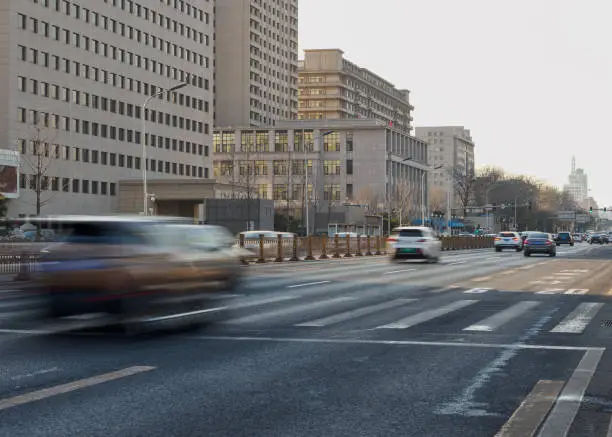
(590, 210)
(605, 208)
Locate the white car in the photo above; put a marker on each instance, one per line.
(508, 240)
(414, 242)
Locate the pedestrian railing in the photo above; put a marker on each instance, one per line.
(20, 259)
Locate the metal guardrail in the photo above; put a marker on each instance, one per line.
(21, 259)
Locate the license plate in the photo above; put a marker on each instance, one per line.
(506, 239)
(407, 250)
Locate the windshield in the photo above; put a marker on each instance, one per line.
(537, 235)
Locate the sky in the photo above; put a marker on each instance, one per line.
(531, 79)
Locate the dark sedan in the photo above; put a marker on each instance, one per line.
(540, 242)
(597, 238)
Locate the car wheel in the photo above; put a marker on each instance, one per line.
(519, 248)
(553, 253)
(433, 260)
(526, 253)
(498, 249)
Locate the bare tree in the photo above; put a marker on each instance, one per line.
(404, 199)
(437, 200)
(37, 161)
(464, 183)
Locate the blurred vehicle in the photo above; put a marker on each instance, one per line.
(577, 238)
(564, 238)
(540, 242)
(605, 237)
(136, 270)
(414, 242)
(508, 240)
(465, 234)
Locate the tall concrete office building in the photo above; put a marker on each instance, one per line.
(578, 184)
(452, 148)
(333, 88)
(74, 75)
(256, 58)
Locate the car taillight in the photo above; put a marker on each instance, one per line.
(526, 241)
(515, 239)
(391, 240)
(422, 240)
(497, 238)
(548, 242)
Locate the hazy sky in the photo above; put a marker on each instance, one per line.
(531, 79)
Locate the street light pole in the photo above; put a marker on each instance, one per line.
(145, 193)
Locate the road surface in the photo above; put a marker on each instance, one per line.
(481, 344)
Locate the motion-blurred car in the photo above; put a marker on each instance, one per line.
(540, 242)
(414, 242)
(596, 239)
(136, 270)
(508, 240)
(564, 238)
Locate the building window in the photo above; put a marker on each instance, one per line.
(247, 142)
(331, 142)
(281, 141)
(280, 192)
(262, 141)
(331, 167)
(349, 141)
(280, 167)
(331, 192)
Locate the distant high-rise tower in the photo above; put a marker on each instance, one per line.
(577, 185)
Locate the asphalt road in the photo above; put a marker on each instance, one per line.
(481, 344)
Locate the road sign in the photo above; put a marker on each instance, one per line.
(582, 218)
(568, 216)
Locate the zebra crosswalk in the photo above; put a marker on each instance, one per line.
(425, 314)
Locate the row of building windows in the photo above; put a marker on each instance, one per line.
(331, 192)
(79, 69)
(47, 152)
(102, 103)
(105, 50)
(223, 168)
(86, 127)
(66, 185)
(259, 141)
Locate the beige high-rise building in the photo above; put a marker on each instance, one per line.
(256, 58)
(74, 76)
(452, 148)
(333, 88)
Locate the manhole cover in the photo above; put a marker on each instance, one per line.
(606, 324)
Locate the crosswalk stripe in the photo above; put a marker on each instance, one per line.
(287, 311)
(347, 315)
(496, 320)
(426, 316)
(578, 319)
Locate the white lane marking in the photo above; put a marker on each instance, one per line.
(426, 316)
(516, 346)
(527, 418)
(570, 274)
(456, 263)
(563, 413)
(509, 272)
(575, 271)
(35, 373)
(399, 271)
(476, 290)
(287, 311)
(71, 386)
(264, 301)
(347, 315)
(308, 283)
(498, 319)
(483, 279)
(551, 291)
(578, 319)
(577, 291)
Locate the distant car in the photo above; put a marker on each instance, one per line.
(540, 242)
(564, 238)
(414, 242)
(596, 238)
(508, 240)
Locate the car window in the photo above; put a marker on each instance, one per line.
(507, 234)
(538, 235)
(103, 233)
(410, 233)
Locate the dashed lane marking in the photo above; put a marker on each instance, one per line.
(308, 284)
(476, 290)
(71, 386)
(483, 279)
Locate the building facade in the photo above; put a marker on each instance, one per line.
(75, 76)
(452, 149)
(333, 88)
(324, 164)
(256, 57)
(578, 184)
